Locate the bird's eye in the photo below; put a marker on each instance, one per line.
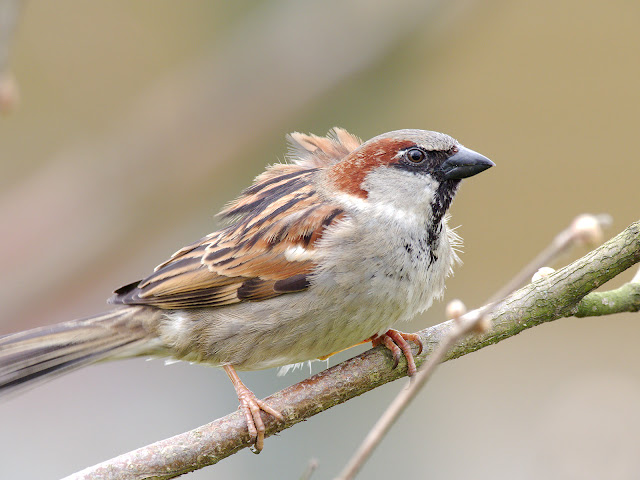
(415, 155)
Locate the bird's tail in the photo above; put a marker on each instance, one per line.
(33, 356)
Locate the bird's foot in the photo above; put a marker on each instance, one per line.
(397, 342)
(251, 407)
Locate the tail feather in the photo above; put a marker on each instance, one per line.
(30, 357)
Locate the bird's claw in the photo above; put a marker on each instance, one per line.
(397, 342)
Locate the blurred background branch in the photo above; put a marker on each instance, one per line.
(9, 14)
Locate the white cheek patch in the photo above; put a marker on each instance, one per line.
(298, 254)
(379, 208)
(392, 191)
(391, 211)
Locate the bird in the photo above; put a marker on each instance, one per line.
(322, 252)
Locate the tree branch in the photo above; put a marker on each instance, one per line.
(561, 294)
(623, 299)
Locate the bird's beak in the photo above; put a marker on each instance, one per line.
(465, 163)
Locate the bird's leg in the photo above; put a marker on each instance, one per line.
(396, 341)
(251, 407)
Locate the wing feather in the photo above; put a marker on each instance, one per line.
(267, 249)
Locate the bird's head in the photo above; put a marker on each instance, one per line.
(407, 169)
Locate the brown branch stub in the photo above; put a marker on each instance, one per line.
(553, 297)
(9, 92)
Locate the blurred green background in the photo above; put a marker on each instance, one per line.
(139, 120)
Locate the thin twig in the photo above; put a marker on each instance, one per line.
(573, 234)
(312, 466)
(466, 324)
(462, 327)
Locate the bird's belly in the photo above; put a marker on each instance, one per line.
(340, 310)
(275, 332)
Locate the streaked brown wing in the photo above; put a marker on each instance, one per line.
(267, 251)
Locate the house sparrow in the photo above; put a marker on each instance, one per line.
(320, 254)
